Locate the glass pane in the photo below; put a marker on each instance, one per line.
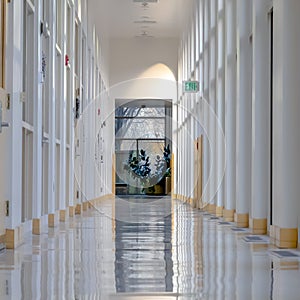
(141, 128)
(131, 112)
(58, 23)
(220, 5)
(125, 177)
(154, 149)
(123, 148)
(122, 145)
(2, 36)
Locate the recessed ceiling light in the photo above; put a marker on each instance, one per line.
(145, 22)
(145, 1)
(144, 34)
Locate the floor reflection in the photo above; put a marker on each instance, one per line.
(143, 245)
(143, 256)
(147, 248)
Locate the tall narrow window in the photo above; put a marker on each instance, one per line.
(271, 114)
(77, 49)
(2, 42)
(58, 23)
(28, 108)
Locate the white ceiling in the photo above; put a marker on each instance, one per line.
(127, 19)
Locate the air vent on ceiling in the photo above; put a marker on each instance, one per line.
(145, 1)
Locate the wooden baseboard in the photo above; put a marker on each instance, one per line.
(258, 226)
(14, 237)
(242, 220)
(285, 237)
(228, 215)
(36, 226)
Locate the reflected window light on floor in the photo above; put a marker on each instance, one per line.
(147, 248)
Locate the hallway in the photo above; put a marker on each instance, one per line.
(155, 248)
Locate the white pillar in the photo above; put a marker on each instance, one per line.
(186, 147)
(70, 192)
(37, 122)
(174, 145)
(11, 144)
(192, 138)
(244, 92)
(220, 120)
(230, 110)
(52, 123)
(63, 116)
(286, 122)
(204, 103)
(260, 118)
(212, 106)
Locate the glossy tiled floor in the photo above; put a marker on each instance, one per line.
(147, 249)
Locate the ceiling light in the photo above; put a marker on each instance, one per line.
(144, 34)
(145, 1)
(145, 22)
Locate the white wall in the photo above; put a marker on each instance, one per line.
(143, 68)
(11, 138)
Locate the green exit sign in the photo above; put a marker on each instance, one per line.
(191, 86)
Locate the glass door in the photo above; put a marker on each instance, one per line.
(141, 138)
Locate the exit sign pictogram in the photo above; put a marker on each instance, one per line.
(191, 86)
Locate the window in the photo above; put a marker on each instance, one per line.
(138, 127)
(131, 122)
(2, 42)
(58, 23)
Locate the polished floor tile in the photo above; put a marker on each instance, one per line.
(148, 248)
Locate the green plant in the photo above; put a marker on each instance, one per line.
(139, 167)
(167, 158)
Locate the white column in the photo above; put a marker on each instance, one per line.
(179, 168)
(11, 144)
(212, 107)
(243, 163)
(220, 121)
(186, 148)
(191, 145)
(37, 121)
(51, 92)
(260, 118)
(206, 153)
(70, 192)
(230, 110)
(63, 116)
(174, 144)
(286, 122)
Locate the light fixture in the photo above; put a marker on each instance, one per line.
(145, 22)
(144, 34)
(145, 1)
